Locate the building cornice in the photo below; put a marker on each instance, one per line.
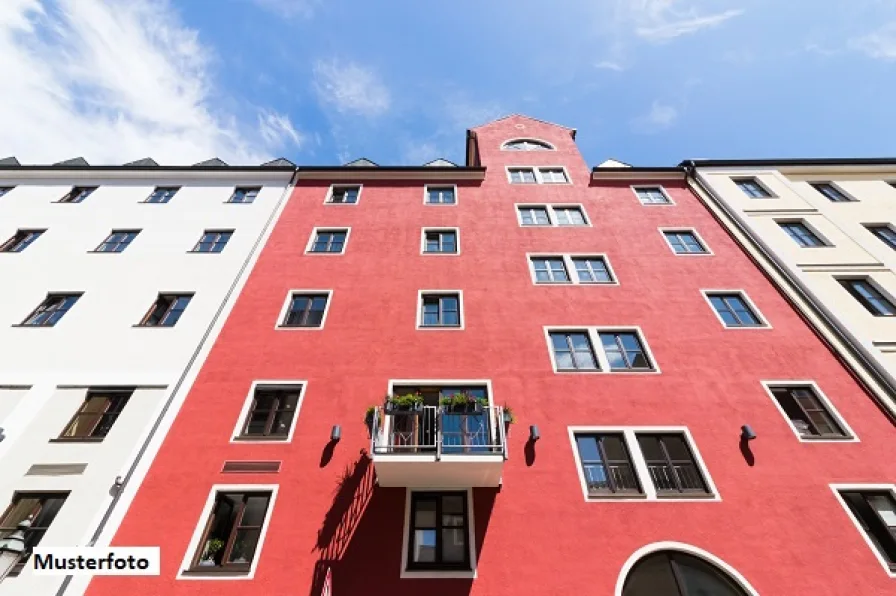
(353, 174)
(877, 166)
(638, 173)
(229, 173)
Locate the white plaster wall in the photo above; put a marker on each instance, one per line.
(97, 343)
(854, 251)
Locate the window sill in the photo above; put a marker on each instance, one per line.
(139, 326)
(684, 495)
(25, 326)
(826, 438)
(104, 252)
(238, 202)
(215, 572)
(616, 496)
(77, 440)
(265, 439)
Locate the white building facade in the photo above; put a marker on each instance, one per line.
(112, 298)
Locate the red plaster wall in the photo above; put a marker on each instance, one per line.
(778, 522)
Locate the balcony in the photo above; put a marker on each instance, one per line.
(435, 447)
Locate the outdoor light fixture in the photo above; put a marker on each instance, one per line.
(336, 433)
(12, 547)
(746, 433)
(2, 436)
(534, 435)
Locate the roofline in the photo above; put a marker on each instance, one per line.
(51, 168)
(390, 173)
(785, 162)
(638, 173)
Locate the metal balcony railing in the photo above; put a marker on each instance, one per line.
(434, 430)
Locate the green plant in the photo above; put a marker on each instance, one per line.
(462, 399)
(213, 546)
(509, 416)
(407, 400)
(369, 414)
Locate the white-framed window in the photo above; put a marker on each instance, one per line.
(584, 349)
(642, 463)
(685, 242)
(734, 309)
(652, 195)
(439, 534)
(162, 194)
(440, 194)
(440, 309)
(343, 194)
(230, 532)
(537, 175)
(833, 192)
(526, 145)
(585, 269)
(551, 215)
(440, 241)
(802, 233)
(305, 309)
(270, 412)
(808, 411)
(753, 188)
(872, 509)
(328, 241)
(244, 195)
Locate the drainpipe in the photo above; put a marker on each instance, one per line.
(854, 346)
(121, 483)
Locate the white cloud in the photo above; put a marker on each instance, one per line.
(289, 8)
(670, 25)
(113, 82)
(660, 117)
(880, 44)
(661, 20)
(350, 88)
(277, 130)
(609, 65)
(421, 152)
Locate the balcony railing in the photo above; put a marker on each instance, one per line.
(434, 430)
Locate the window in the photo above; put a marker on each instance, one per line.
(652, 195)
(21, 240)
(637, 462)
(438, 531)
(752, 188)
(42, 508)
(77, 194)
(522, 175)
(162, 194)
(244, 194)
(329, 241)
(869, 296)
(271, 414)
(526, 145)
(671, 465)
(553, 175)
(117, 241)
(831, 192)
(97, 414)
(440, 242)
(232, 532)
(674, 573)
(549, 270)
(807, 413)
(440, 310)
(885, 234)
(569, 216)
(5, 189)
(534, 216)
(573, 351)
(607, 465)
(684, 242)
(733, 310)
(592, 270)
(624, 351)
(875, 511)
(306, 310)
(344, 195)
(213, 241)
(166, 311)
(440, 195)
(801, 234)
(51, 310)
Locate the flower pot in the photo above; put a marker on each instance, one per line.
(474, 408)
(508, 417)
(408, 410)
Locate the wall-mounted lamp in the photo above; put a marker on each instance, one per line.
(746, 433)
(2, 436)
(534, 435)
(336, 433)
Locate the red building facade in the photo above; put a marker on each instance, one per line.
(637, 387)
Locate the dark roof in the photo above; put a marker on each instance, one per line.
(440, 162)
(280, 161)
(213, 162)
(362, 162)
(813, 161)
(146, 162)
(75, 161)
(9, 161)
(637, 169)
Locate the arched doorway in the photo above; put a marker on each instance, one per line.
(676, 573)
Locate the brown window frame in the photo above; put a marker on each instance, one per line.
(77, 192)
(670, 464)
(117, 399)
(276, 408)
(822, 407)
(882, 536)
(231, 568)
(416, 496)
(613, 489)
(250, 192)
(54, 303)
(7, 528)
(304, 314)
(27, 236)
(173, 300)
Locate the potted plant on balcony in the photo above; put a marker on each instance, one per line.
(509, 417)
(368, 418)
(212, 548)
(409, 404)
(463, 403)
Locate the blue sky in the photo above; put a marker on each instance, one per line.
(649, 82)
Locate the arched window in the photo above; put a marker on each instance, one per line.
(675, 573)
(526, 145)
